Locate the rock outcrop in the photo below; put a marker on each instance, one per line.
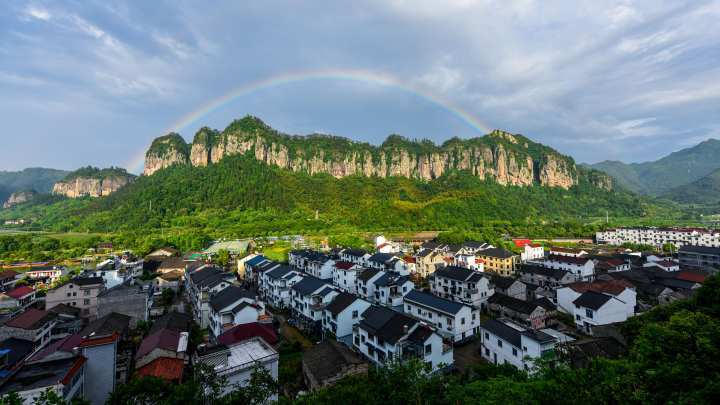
(19, 197)
(92, 182)
(500, 156)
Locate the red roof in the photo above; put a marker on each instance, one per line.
(691, 276)
(613, 287)
(248, 331)
(409, 259)
(30, 319)
(20, 292)
(343, 265)
(7, 274)
(100, 341)
(73, 370)
(163, 367)
(65, 344)
(521, 242)
(163, 339)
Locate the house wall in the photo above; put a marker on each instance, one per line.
(135, 305)
(100, 372)
(460, 326)
(83, 297)
(499, 351)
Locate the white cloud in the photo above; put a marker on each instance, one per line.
(38, 13)
(178, 48)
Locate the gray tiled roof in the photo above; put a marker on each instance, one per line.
(436, 303)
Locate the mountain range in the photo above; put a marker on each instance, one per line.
(36, 179)
(688, 175)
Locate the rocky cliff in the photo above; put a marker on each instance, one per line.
(92, 182)
(506, 158)
(19, 197)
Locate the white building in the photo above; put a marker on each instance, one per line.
(666, 265)
(505, 342)
(597, 303)
(365, 283)
(453, 320)
(660, 236)
(582, 268)
(384, 336)
(357, 256)
(345, 276)
(236, 362)
(390, 288)
(532, 251)
(342, 315)
(568, 252)
(200, 285)
(382, 245)
(461, 285)
(274, 285)
(233, 306)
(309, 297)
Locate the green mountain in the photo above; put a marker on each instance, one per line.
(705, 191)
(661, 176)
(36, 178)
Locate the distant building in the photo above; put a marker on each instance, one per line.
(660, 236)
(498, 260)
(80, 292)
(700, 257)
(461, 285)
(453, 320)
(129, 299)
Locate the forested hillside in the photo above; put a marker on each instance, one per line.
(38, 179)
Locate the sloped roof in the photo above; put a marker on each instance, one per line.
(340, 302)
(31, 319)
(247, 331)
(503, 331)
(229, 296)
(367, 274)
(436, 303)
(328, 359)
(354, 252)
(580, 261)
(517, 305)
(496, 252)
(613, 287)
(5, 274)
(107, 325)
(174, 321)
(502, 282)
(168, 369)
(592, 300)
(556, 274)
(700, 249)
(279, 272)
(20, 292)
(455, 273)
(256, 260)
(163, 339)
(386, 323)
(308, 285)
(344, 265)
(87, 280)
(381, 258)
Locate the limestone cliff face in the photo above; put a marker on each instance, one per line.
(19, 197)
(166, 151)
(90, 186)
(500, 156)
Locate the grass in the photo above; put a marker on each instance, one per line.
(278, 251)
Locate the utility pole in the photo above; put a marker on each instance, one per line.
(607, 217)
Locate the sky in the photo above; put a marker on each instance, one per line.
(93, 82)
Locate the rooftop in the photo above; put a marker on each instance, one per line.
(31, 319)
(168, 369)
(434, 302)
(591, 299)
(46, 374)
(247, 331)
(328, 359)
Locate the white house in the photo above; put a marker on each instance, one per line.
(384, 336)
(453, 320)
(505, 342)
(365, 283)
(381, 261)
(342, 314)
(274, 285)
(461, 285)
(233, 306)
(610, 301)
(532, 251)
(567, 252)
(390, 288)
(357, 256)
(345, 276)
(200, 285)
(582, 268)
(309, 297)
(666, 265)
(382, 245)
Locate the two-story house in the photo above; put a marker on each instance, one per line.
(233, 306)
(80, 292)
(426, 261)
(583, 268)
(453, 320)
(365, 283)
(33, 325)
(461, 285)
(384, 336)
(498, 260)
(357, 256)
(390, 288)
(597, 303)
(505, 342)
(342, 314)
(545, 277)
(275, 284)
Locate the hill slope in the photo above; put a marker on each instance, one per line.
(36, 178)
(660, 176)
(243, 196)
(508, 159)
(93, 182)
(703, 191)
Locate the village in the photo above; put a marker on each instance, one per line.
(318, 315)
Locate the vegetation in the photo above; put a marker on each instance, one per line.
(96, 173)
(171, 142)
(38, 179)
(660, 176)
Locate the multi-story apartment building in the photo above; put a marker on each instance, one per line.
(660, 236)
(583, 268)
(200, 285)
(505, 342)
(699, 257)
(80, 292)
(498, 260)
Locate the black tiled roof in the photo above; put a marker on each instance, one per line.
(279, 272)
(340, 302)
(436, 303)
(87, 280)
(503, 282)
(517, 305)
(367, 274)
(556, 274)
(591, 299)
(699, 249)
(354, 252)
(381, 258)
(308, 285)
(107, 325)
(455, 273)
(229, 296)
(503, 331)
(496, 252)
(387, 324)
(391, 279)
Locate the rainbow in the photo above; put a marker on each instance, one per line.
(362, 76)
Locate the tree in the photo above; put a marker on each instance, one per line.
(223, 257)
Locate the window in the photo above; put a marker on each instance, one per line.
(487, 335)
(74, 294)
(462, 321)
(524, 348)
(355, 314)
(487, 352)
(86, 302)
(428, 349)
(499, 343)
(418, 311)
(589, 313)
(577, 317)
(68, 294)
(514, 352)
